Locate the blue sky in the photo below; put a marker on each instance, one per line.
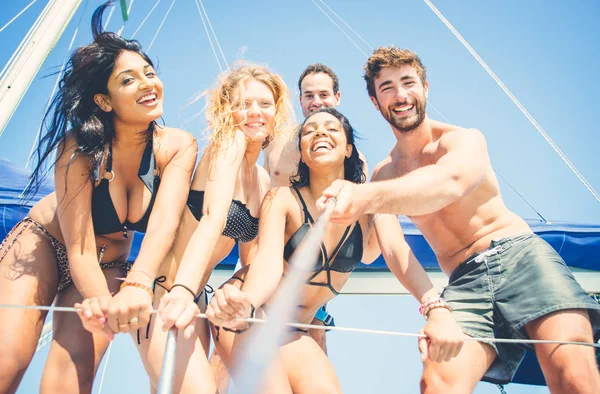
(544, 52)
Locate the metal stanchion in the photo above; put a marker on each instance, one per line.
(167, 373)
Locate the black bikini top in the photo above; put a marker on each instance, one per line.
(240, 226)
(345, 257)
(104, 215)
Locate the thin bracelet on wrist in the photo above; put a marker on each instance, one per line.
(185, 287)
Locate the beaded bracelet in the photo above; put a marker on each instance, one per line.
(140, 286)
(431, 304)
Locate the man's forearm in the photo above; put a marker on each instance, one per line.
(423, 191)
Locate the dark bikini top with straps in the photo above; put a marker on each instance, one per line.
(344, 258)
(240, 226)
(104, 215)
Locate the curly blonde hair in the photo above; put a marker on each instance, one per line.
(224, 97)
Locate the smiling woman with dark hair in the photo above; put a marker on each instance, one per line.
(328, 153)
(353, 165)
(116, 171)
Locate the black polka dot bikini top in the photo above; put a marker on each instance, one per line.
(241, 226)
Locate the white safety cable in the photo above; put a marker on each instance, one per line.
(16, 16)
(160, 26)
(213, 32)
(128, 13)
(209, 37)
(408, 334)
(346, 329)
(340, 28)
(145, 19)
(105, 366)
(58, 76)
(514, 100)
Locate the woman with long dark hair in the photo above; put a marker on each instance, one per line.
(115, 171)
(328, 153)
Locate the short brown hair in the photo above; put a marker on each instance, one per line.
(319, 68)
(391, 56)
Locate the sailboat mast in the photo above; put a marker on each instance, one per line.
(31, 54)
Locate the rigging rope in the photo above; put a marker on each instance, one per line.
(346, 24)
(145, 19)
(209, 38)
(213, 32)
(16, 16)
(514, 100)
(160, 26)
(110, 14)
(429, 103)
(128, 13)
(340, 29)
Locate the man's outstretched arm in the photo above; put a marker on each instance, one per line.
(425, 190)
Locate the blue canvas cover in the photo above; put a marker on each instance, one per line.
(578, 244)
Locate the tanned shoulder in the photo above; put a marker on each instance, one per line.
(383, 170)
(278, 198)
(466, 141)
(176, 140)
(454, 134)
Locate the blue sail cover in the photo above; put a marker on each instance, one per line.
(578, 244)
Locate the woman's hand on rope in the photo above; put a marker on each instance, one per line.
(130, 309)
(444, 337)
(227, 305)
(93, 314)
(178, 309)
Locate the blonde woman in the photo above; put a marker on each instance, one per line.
(249, 106)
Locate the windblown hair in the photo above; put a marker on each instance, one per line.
(225, 99)
(73, 108)
(384, 57)
(353, 165)
(319, 68)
